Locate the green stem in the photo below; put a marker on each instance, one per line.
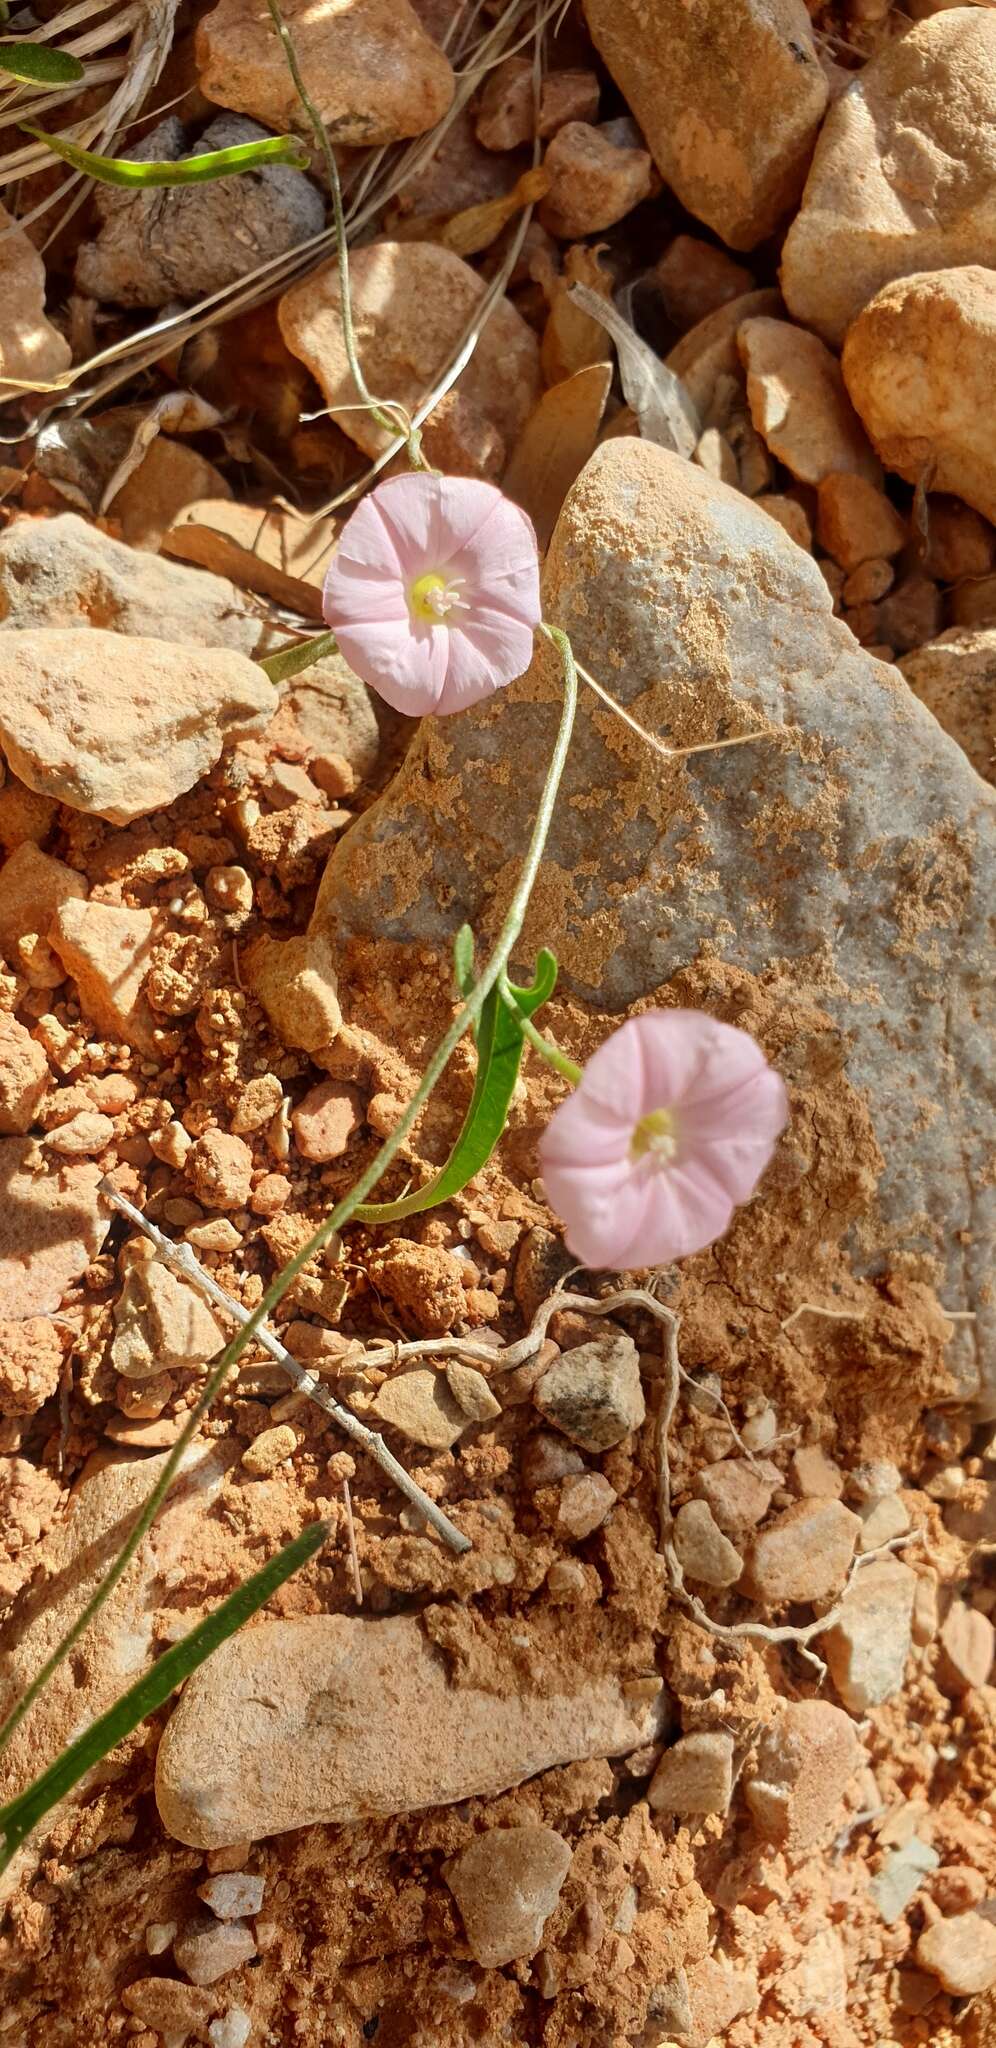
(390, 426)
(350, 1203)
(540, 1043)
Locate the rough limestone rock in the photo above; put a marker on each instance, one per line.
(334, 1719)
(593, 1393)
(119, 1643)
(961, 1952)
(918, 363)
(186, 241)
(30, 347)
(121, 731)
(694, 1776)
(32, 887)
(411, 302)
(904, 175)
(107, 948)
(955, 676)
(799, 405)
(161, 1324)
(24, 1076)
(373, 73)
(506, 1884)
(803, 1764)
(860, 871)
(729, 94)
(65, 572)
(52, 1224)
(867, 1647)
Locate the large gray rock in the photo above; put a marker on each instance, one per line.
(846, 863)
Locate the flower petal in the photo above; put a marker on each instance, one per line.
(406, 667)
(485, 655)
(614, 1081)
(602, 1208)
(367, 541)
(355, 593)
(431, 518)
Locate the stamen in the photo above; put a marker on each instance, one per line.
(432, 597)
(654, 1134)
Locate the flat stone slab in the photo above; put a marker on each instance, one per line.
(333, 1719)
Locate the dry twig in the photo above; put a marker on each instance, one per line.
(182, 1260)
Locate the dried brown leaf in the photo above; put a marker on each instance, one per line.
(556, 441)
(658, 398)
(571, 339)
(475, 227)
(268, 552)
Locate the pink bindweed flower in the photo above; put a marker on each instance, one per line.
(671, 1125)
(433, 592)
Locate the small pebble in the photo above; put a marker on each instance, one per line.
(233, 1894)
(760, 1430)
(159, 1936)
(471, 1390)
(232, 2030)
(593, 1393)
(805, 1554)
(268, 1450)
(208, 1949)
(228, 889)
(217, 1235)
(231, 1857)
(586, 1498)
(506, 1884)
(871, 1482)
(171, 1144)
(703, 1551)
(694, 1776)
(900, 1878)
(961, 1953)
(814, 1474)
(966, 1647)
(887, 1519)
(83, 1135)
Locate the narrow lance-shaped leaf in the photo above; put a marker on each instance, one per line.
(36, 64)
(188, 170)
(291, 660)
(499, 1054)
(24, 1813)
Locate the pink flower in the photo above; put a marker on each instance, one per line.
(671, 1125)
(433, 592)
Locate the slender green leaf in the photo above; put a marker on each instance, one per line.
(23, 1813)
(499, 1053)
(37, 64)
(291, 660)
(188, 170)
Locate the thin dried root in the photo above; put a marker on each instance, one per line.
(833, 1315)
(727, 1632)
(182, 1260)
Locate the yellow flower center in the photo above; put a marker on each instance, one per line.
(655, 1134)
(431, 597)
